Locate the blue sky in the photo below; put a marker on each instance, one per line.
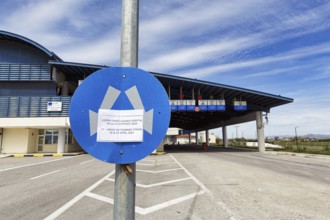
(276, 46)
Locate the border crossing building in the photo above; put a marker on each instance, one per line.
(36, 87)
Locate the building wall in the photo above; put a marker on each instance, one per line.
(212, 138)
(12, 52)
(49, 148)
(32, 140)
(21, 88)
(73, 147)
(15, 140)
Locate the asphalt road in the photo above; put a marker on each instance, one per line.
(184, 184)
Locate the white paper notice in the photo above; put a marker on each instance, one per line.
(120, 125)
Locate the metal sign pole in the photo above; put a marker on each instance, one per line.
(124, 195)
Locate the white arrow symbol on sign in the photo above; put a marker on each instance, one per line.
(110, 98)
(107, 103)
(135, 99)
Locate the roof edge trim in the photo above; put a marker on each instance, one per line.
(31, 42)
(222, 85)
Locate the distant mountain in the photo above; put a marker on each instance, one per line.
(318, 136)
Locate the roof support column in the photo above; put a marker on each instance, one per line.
(260, 132)
(189, 137)
(207, 139)
(61, 141)
(224, 136)
(196, 137)
(1, 137)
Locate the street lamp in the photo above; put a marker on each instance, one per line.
(295, 128)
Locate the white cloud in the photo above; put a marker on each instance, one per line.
(291, 55)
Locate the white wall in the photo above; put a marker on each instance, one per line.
(32, 140)
(212, 138)
(15, 140)
(47, 122)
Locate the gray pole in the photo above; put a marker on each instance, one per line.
(296, 137)
(236, 131)
(124, 195)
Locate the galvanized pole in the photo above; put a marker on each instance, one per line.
(124, 195)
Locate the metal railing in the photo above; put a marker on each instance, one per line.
(32, 106)
(25, 72)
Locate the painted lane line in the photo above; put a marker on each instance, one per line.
(159, 171)
(220, 203)
(168, 203)
(87, 161)
(36, 177)
(100, 197)
(165, 163)
(162, 183)
(192, 176)
(73, 201)
(152, 160)
(33, 164)
(145, 164)
(155, 184)
(145, 211)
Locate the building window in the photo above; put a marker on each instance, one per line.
(51, 136)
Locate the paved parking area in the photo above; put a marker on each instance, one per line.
(155, 175)
(217, 184)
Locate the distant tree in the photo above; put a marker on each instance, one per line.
(218, 141)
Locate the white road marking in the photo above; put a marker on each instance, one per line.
(162, 183)
(139, 210)
(165, 163)
(144, 211)
(36, 177)
(87, 161)
(192, 176)
(146, 164)
(168, 203)
(220, 203)
(66, 206)
(33, 164)
(100, 197)
(159, 171)
(156, 184)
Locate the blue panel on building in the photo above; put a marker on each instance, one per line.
(191, 105)
(221, 108)
(202, 105)
(211, 105)
(221, 105)
(182, 105)
(174, 105)
(240, 105)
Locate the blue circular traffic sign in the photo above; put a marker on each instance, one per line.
(120, 114)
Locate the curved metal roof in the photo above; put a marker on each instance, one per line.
(195, 121)
(4, 35)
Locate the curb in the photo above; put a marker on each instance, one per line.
(158, 153)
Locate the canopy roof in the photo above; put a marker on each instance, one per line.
(4, 35)
(195, 121)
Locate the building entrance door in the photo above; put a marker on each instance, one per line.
(41, 140)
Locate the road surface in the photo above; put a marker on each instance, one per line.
(186, 184)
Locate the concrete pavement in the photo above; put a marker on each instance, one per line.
(193, 184)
